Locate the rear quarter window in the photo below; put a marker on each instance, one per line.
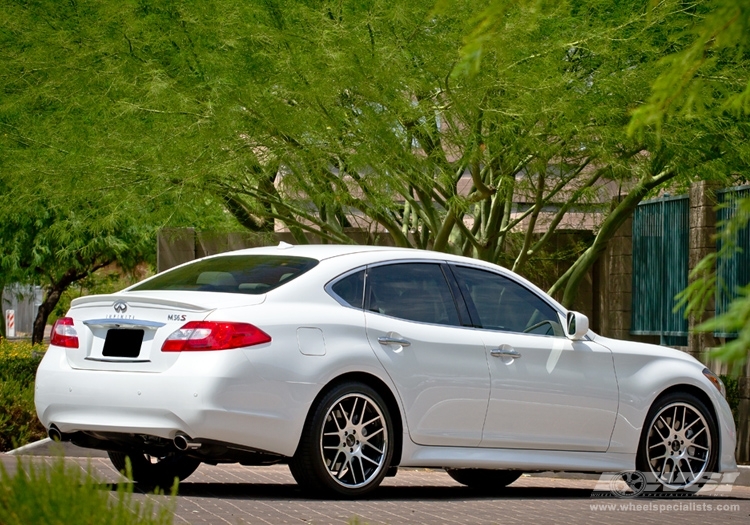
(244, 274)
(350, 289)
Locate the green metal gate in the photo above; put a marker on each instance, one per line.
(733, 267)
(660, 268)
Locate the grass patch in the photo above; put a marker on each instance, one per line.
(19, 424)
(65, 493)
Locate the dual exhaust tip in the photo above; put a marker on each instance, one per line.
(181, 441)
(54, 434)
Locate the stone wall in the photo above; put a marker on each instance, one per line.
(702, 243)
(614, 275)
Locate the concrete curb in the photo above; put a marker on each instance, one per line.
(47, 447)
(744, 477)
(29, 448)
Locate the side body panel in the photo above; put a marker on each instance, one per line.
(442, 378)
(558, 395)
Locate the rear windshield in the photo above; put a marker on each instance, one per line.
(248, 274)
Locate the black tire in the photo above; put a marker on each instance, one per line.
(338, 455)
(484, 480)
(689, 450)
(150, 472)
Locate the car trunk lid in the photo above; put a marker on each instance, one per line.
(125, 331)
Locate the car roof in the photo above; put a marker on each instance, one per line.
(324, 252)
(315, 251)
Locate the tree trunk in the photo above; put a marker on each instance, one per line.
(52, 297)
(571, 280)
(573, 277)
(2, 311)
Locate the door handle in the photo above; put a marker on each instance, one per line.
(505, 351)
(385, 340)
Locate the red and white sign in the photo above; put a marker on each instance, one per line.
(10, 323)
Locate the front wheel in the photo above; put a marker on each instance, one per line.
(347, 443)
(151, 471)
(679, 445)
(485, 480)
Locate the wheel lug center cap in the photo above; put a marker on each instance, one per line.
(675, 445)
(350, 440)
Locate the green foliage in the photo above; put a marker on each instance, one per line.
(19, 360)
(707, 72)
(19, 424)
(63, 493)
(372, 119)
(735, 319)
(732, 385)
(707, 79)
(116, 117)
(96, 143)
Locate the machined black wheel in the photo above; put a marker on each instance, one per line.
(152, 471)
(485, 480)
(347, 443)
(680, 442)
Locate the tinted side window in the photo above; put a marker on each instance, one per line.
(351, 289)
(503, 304)
(411, 291)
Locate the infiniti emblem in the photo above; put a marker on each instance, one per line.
(120, 307)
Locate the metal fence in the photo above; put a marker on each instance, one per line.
(733, 265)
(24, 300)
(660, 268)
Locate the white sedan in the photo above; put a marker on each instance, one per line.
(346, 362)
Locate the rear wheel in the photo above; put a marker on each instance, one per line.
(152, 471)
(679, 444)
(485, 480)
(347, 443)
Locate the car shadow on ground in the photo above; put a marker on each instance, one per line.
(291, 492)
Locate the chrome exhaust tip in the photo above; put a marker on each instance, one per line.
(182, 443)
(54, 434)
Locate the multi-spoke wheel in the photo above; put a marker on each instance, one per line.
(152, 471)
(679, 443)
(346, 446)
(484, 480)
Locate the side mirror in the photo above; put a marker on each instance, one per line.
(577, 326)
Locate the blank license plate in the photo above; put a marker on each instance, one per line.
(122, 343)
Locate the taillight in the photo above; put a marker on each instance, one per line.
(213, 335)
(64, 334)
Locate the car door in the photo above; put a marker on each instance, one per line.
(547, 392)
(438, 366)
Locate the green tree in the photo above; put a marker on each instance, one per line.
(366, 114)
(97, 140)
(55, 235)
(323, 116)
(708, 80)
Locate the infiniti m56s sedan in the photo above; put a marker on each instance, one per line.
(346, 362)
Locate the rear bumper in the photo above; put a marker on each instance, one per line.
(221, 399)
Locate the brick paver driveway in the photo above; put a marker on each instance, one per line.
(232, 494)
